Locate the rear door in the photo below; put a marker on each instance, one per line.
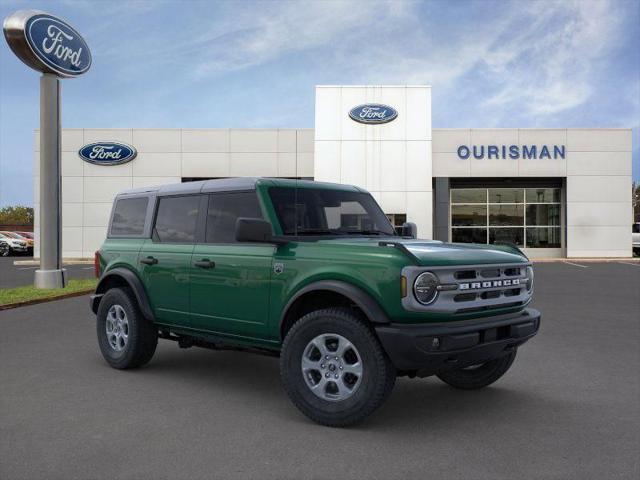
(230, 281)
(165, 259)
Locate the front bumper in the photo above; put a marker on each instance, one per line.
(429, 349)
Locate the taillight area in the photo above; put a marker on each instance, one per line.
(96, 264)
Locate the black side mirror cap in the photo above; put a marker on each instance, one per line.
(409, 229)
(256, 230)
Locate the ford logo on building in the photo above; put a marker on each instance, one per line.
(47, 43)
(107, 153)
(373, 113)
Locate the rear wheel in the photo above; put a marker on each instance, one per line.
(126, 338)
(479, 376)
(334, 369)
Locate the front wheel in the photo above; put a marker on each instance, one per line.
(479, 376)
(334, 369)
(4, 250)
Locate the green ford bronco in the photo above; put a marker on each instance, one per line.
(312, 272)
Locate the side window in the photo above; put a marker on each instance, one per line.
(224, 210)
(177, 219)
(129, 215)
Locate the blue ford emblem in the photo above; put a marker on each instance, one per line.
(373, 113)
(57, 45)
(107, 153)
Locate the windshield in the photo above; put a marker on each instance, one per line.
(316, 211)
(10, 235)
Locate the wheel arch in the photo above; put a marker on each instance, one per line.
(123, 277)
(327, 293)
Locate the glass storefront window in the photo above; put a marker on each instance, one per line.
(509, 235)
(543, 195)
(506, 215)
(506, 195)
(469, 235)
(527, 217)
(544, 237)
(543, 214)
(468, 215)
(469, 195)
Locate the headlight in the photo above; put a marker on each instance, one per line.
(529, 274)
(425, 288)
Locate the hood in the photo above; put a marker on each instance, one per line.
(436, 253)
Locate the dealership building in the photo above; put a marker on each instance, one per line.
(554, 192)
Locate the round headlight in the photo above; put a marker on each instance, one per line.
(425, 288)
(529, 274)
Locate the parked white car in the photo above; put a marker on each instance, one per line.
(636, 238)
(15, 244)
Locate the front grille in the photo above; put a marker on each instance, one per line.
(467, 289)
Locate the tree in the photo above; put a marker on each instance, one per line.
(16, 215)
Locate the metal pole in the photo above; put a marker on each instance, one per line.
(51, 274)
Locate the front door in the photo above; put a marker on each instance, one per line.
(230, 281)
(165, 260)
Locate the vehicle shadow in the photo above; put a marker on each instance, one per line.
(414, 404)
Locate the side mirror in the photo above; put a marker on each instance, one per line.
(409, 229)
(255, 230)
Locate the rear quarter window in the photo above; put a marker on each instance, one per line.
(176, 220)
(128, 216)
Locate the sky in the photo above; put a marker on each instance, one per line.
(208, 64)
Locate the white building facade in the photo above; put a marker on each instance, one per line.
(553, 192)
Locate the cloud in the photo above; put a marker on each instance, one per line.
(549, 65)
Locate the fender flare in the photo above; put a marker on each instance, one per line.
(362, 299)
(133, 281)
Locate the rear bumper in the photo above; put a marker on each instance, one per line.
(434, 348)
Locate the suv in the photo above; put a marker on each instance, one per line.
(635, 238)
(312, 272)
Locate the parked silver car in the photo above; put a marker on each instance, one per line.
(636, 238)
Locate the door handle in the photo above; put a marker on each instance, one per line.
(149, 261)
(204, 263)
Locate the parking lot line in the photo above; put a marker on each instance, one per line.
(632, 264)
(576, 264)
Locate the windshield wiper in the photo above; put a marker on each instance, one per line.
(368, 232)
(315, 231)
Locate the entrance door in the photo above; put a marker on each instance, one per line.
(230, 281)
(165, 260)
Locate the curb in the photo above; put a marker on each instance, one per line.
(587, 260)
(36, 263)
(26, 303)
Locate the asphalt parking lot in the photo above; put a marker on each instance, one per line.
(569, 408)
(20, 275)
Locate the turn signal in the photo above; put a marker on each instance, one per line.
(403, 286)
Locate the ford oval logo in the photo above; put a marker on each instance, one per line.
(58, 45)
(107, 153)
(373, 113)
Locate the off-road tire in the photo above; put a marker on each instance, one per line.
(142, 334)
(378, 376)
(481, 376)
